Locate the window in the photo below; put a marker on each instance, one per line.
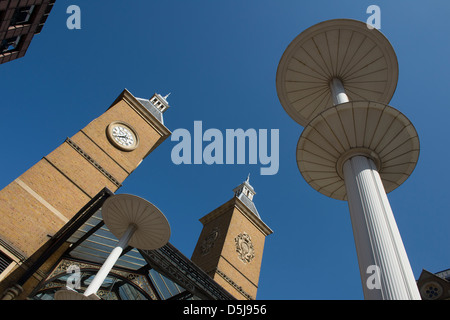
(10, 44)
(21, 15)
(166, 287)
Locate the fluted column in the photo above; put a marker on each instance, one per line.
(384, 266)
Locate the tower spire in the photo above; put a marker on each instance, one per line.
(157, 105)
(245, 193)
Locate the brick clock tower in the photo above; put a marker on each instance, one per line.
(103, 154)
(231, 244)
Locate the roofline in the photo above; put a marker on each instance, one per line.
(246, 212)
(131, 100)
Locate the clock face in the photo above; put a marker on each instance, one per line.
(122, 136)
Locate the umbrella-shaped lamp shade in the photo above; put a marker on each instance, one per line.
(362, 59)
(152, 229)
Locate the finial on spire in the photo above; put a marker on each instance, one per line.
(248, 178)
(165, 98)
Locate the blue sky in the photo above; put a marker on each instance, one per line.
(219, 61)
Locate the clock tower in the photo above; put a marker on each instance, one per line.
(231, 244)
(103, 154)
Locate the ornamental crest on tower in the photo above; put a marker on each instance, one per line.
(244, 247)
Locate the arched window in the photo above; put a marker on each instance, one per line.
(115, 287)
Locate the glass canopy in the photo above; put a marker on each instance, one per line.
(137, 275)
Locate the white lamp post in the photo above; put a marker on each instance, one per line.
(353, 148)
(136, 222)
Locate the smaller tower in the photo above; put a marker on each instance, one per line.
(231, 244)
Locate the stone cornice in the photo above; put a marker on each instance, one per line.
(234, 285)
(92, 161)
(243, 209)
(264, 228)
